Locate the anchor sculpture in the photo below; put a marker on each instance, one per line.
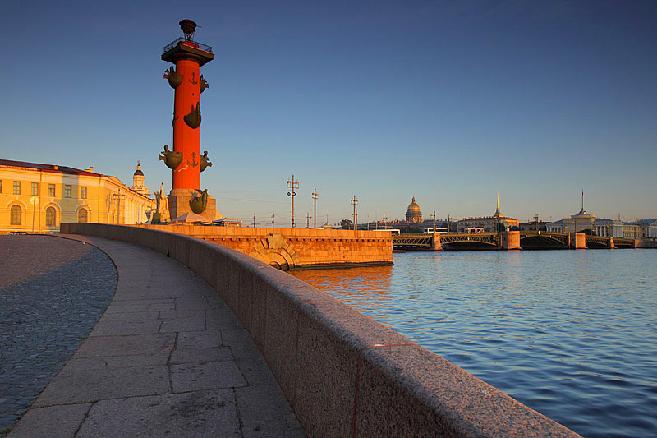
(171, 158)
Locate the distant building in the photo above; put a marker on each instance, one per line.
(555, 227)
(488, 224)
(577, 223)
(608, 228)
(648, 227)
(38, 197)
(138, 182)
(413, 212)
(533, 226)
(652, 230)
(632, 231)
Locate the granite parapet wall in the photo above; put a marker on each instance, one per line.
(293, 248)
(343, 373)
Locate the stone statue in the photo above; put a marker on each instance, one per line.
(171, 158)
(199, 201)
(161, 215)
(205, 161)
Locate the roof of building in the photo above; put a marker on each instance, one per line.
(53, 168)
(138, 170)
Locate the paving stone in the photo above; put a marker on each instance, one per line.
(193, 414)
(240, 343)
(144, 344)
(255, 370)
(140, 305)
(118, 327)
(53, 422)
(200, 355)
(96, 384)
(183, 324)
(149, 315)
(77, 364)
(211, 375)
(264, 412)
(201, 339)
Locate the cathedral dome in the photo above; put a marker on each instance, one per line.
(413, 212)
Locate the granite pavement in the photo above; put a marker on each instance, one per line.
(167, 358)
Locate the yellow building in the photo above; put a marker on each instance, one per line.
(38, 197)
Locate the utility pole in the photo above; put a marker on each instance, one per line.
(354, 202)
(272, 219)
(434, 221)
(449, 223)
(254, 221)
(307, 220)
(315, 196)
(293, 185)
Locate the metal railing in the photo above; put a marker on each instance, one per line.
(194, 44)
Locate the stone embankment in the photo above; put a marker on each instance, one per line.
(293, 248)
(343, 373)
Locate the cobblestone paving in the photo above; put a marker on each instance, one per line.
(168, 358)
(52, 293)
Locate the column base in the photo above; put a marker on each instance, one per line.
(179, 206)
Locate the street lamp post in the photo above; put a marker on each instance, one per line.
(293, 185)
(315, 196)
(354, 202)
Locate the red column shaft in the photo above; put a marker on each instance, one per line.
(185, 139)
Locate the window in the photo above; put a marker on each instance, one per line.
(67, 190)
(15, 214)
(17, 188)
(35, 189)
(51, 217)
(83, 192)
(51, 190)
(83, 216)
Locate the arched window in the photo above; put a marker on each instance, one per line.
(15, 214)
(51, 217)
(83, 216)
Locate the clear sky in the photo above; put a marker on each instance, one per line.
(450, 101)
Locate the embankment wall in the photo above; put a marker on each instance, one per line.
(343, 373)
(290, 248)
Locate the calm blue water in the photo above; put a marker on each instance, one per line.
(572, 334)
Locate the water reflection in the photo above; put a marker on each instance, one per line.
(572, 334)
(360, 286)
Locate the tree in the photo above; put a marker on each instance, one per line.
(347, 224)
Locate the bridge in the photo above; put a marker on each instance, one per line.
(527, 240)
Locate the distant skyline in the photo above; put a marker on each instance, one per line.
(448, 101)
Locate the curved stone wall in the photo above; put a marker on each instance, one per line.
(343, 373)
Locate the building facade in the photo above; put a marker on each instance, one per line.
(39, 197)
(488, 224)
(608, 228)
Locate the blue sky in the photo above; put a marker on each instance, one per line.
(450, 101)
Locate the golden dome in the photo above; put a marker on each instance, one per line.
(413, 212)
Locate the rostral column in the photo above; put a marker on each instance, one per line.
(185, 159)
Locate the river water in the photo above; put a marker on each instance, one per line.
(572, 334)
